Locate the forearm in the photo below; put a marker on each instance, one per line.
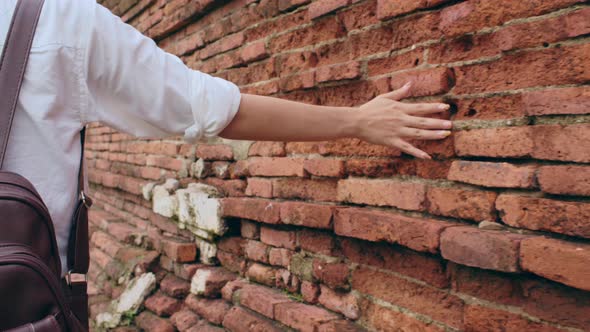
(271, 119)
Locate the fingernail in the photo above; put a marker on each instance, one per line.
(445, 133)
(448, 124)
(443, 107)
(426, 156)
(407, 84)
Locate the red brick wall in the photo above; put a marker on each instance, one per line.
(491, 235)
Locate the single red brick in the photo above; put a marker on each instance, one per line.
(232, 244)
(289, 4)
(344, 303)
(401, 194)
(178, 250)
(480, 318)
(227, 292)
(215, 152)
(257, 251)
(360, 16)
(395, 62)
(493, 250)
(267, 149)
(278, 238)
(298, 81)
(105, 243)
(263, 274)
(565, 262)
(259, 187)
(349, 147)
(565, 180)
(316, 242)
(385, 319)
(231, 262)
(389, 8)
(438, 304)
(123, 232)
(552, 215)
(152, 323)
(162, 305)
(254, 52)
(307, 189)
(425, 82)
(540, 294)
(208, 282)
(495, 142)
(415, 233)
(490, 174)
(305, 214)
(174, 286)
(280, 257)
(254, 209)
(262, 299)
(184, 319)
(566, 143)
(557, 101)
(485, 284)
(338, 72)
(212, 310)
(241, 320)
(250, 230)
(287, 281)
(265, 166)
(322, 30)
(521, 70)
(151, 173)
(293, 63)
(341, 325)
(371, 167)
(334, 275)
(239, 169)
(323, 7)
(310, 292)
(301, 316)
(424, 267)
(534, 33)
(473, 16)
(490, 108)
(223, 45)
(464, 204)
(324, 167)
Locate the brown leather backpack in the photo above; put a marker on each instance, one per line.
(33, 297)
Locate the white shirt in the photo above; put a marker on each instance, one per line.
(86, 65)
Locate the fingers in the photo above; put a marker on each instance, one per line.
(421, 134)
(400, 93)
(410, 149)
(427, 123)
(423, 108)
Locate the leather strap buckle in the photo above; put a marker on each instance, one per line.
(75, 277)
(85, 199)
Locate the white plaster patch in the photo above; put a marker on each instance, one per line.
(163, 203)
(128, 302)
(207, 251)
(199, 281)
(206, 209)
(147, 191)
(198, 169)
(135, 293)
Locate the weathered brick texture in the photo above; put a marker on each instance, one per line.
(493, 234)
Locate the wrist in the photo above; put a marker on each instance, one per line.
(352, 122)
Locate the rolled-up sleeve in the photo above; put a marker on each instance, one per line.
(135, 87)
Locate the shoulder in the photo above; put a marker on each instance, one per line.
(65, 22)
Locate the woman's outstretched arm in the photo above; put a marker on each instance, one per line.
(384, 120)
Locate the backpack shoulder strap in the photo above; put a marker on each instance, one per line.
(13, 63)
